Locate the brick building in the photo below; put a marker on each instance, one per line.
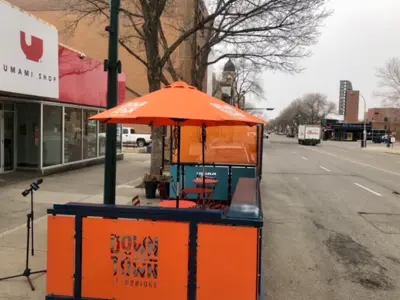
(352, 105)
(385, 119)
(91, 39)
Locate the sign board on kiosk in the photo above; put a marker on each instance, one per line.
(28, 54)
(218, 172)
(192, 172)
(121, 259)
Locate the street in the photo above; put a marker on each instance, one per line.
(332, 221)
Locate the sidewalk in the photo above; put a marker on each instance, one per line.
(384, 149)
(84, 185)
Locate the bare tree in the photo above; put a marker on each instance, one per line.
(310, 109)
(273, 34)
(245, 83)
(389, 82)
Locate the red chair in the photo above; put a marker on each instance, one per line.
(136, 201)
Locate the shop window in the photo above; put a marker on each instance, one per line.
(89, 135)
(72, 134)
(28, 135)
(52, 135)
(102, 138)
(119, 138)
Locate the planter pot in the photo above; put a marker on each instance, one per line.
(151, 188)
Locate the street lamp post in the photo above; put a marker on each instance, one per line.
(113, 67)
(259, 108)
(365, 123)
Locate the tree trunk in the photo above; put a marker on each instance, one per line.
(156, 131)
(156, 138)
(153, 11)
(194, 43)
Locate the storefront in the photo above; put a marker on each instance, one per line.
(47, 94)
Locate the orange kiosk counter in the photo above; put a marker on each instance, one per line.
(125, 253)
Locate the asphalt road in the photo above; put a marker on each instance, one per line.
(332, 222)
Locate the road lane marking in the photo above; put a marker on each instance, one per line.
(294, 152)
(305, 158)
(323, 168)
(354, 161)
(367, 189)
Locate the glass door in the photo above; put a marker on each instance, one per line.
(8, 140)
(1, 139)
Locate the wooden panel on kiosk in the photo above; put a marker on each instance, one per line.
(134, 259)
(60, 255)
(227, 263)
(224, 145)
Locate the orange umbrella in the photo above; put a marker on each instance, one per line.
(178, 104)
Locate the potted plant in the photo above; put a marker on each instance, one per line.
(150, 185)
(163, 186)
(152, 182)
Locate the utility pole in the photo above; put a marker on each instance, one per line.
(113, 67)
(364, 141)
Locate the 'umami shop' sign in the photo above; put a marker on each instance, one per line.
(135, 260)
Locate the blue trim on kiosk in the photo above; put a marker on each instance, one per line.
(228, 177)
(245, 200)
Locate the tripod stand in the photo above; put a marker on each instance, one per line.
(29, 234)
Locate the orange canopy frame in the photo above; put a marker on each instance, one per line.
(236, 145)
(178, 104)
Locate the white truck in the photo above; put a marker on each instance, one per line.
(309, 135)
(130, 137)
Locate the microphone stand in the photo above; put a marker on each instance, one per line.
(29, 242)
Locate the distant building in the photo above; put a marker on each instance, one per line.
(387, 119)
(345, 85)
(351, 107)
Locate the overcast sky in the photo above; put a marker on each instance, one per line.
(360, 36)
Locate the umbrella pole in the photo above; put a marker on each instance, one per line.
(203, 142)
(178, 162)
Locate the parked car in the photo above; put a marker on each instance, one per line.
(380, 139)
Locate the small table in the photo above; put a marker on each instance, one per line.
(208, 184)
(182, 204)
(198, 191)
(207, 181)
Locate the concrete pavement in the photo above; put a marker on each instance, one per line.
(83, 185)
(332, 222)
